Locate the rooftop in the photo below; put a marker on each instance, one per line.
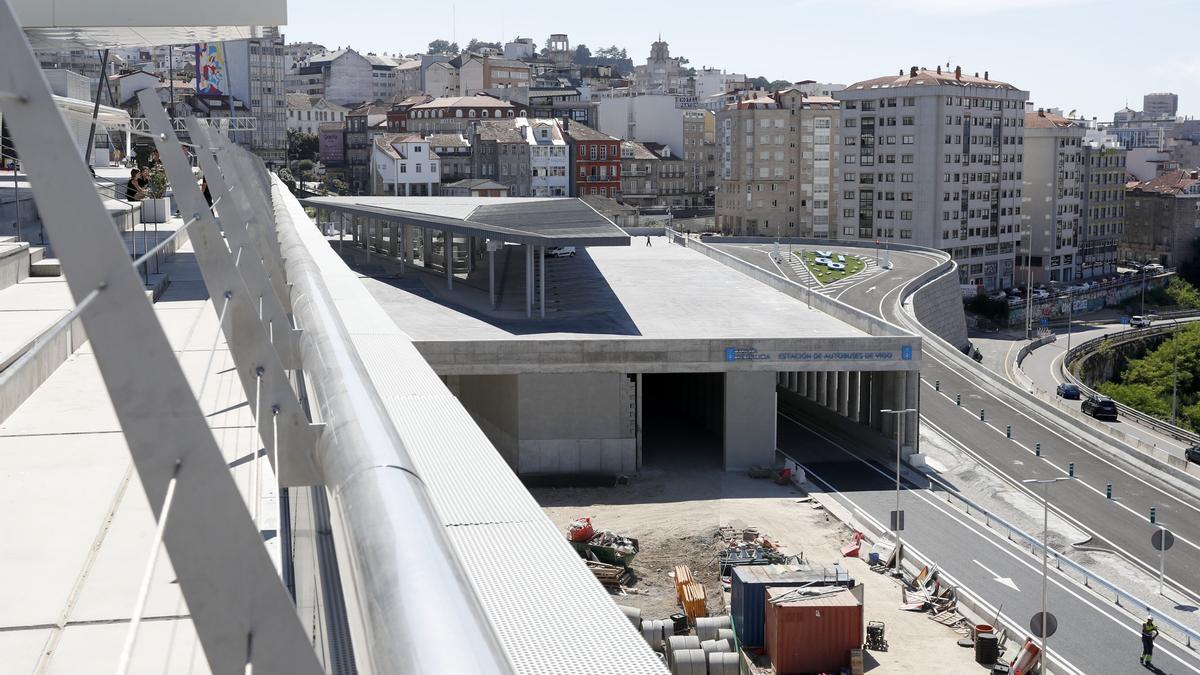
(582, 132)
(1172, 183)
(464, 102)
(915, 76)
(1044, 119)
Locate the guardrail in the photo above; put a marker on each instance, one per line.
(1090, 347)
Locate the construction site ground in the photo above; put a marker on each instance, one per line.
(675, 514)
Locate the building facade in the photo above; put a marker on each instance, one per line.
(1099, 235)
(1162, 219)
(662, 74)
(1053, 194)
(500, 152)
(404, 166)
(933, 158)
(359, 123)
(652, 176)
(596, 161)
(777, 166)
(256, 77)
(307, 113)
(1163, 104)
(549, 157)
(700, 151)
(456, 114)
(454, 151)
(331, 139)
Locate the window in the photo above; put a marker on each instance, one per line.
(906, 140)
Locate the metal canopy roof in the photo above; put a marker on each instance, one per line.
(86, 24)
(536, 221)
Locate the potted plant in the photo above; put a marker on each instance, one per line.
(154, 206)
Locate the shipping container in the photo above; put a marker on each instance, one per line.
(747, 595)
(812, 633)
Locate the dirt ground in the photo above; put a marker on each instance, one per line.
(675, 516)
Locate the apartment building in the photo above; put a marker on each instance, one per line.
(549, 159)
(500, 152)
(652, 176)
(359, 125)
(255, 76)
(307, 113)
(404, 166)
(1052, 197)
(454, 151)
(596, 158)
(455, 114)
(1162, 219)
(397, 118)
(700, 151)
(933, 158)
(346, 77)
(777, 165)
(1099, 235)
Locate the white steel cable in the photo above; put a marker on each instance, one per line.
(135, 620)
(213, 350)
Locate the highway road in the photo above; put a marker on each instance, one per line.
(1120, 524)
(1093, 636)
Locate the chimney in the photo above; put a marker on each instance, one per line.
(939, 69)
(901, 72)
(977, 74)
(1041, 112)
(958, 72)
(985, 75)
(912, 72)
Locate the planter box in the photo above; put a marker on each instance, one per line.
(154, 210)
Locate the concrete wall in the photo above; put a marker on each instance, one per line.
(939, 308)
(14, 263)
(749, 420)
(492, 402)
(576, 423)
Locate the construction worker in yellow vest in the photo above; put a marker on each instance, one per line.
(1149, 632)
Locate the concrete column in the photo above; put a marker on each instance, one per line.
(542, 281)
(404, 252)
(912, 394)
(864, 398)
(854, 397)
(793, 382)
(822, 384)
(448, 254)
(492, 274)
(750, 404)
(831, 394)
(426, 246)
(876, 395)
(843, 392)
(811, 385)
(528, 281)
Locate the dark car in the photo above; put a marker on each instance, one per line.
(1100, 407)
(1068, 390)
(1192, 454)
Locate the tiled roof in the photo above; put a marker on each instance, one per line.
(465, 102)
(502, 131)
(448, 141)
(331, 126)
(582, 132)
(927, 77)
(477, 184)
(1046, 120)
(635, 150)
(1171, 183)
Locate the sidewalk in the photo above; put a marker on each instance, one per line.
(77, 521)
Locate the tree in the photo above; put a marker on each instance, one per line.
(760, 82)
(613, 52)
(441, 46)
(476, 45)
(302, 145)
(339, 186)
(779, 85)
(582, 54)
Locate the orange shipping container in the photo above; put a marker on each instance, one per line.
(812, 633)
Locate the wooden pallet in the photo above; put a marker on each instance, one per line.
(949, 617)
(683, 576)
(693, 601)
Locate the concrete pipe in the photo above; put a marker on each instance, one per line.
(679, 643)
(723, 663)
(634, 614)
(689, 662)
(654, 631)
(725, 634)
(710, 646)
(707, 626)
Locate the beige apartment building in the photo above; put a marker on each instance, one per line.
(700, 151)
(776, 166)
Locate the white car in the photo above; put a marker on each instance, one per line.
(560, 252)
(1141, 321)
(1153, 268)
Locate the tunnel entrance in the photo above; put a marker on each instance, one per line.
(683, 420)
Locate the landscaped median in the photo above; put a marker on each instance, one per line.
(830, 266)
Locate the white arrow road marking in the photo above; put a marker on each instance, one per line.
(869, 290)
(997, 578)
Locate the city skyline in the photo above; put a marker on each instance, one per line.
(1067, 53)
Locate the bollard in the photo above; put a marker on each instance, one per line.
(1153, 515)
(1108, 491)
(1071, 469)
(958, 399)
(1037, 449)
(981, 417)
(1008, 431)
(937, 385)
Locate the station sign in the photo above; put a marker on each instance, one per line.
(752, 354)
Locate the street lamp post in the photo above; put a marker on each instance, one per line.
(1028, 282)
(1045, 483)
(1070, 311)
(899, 439)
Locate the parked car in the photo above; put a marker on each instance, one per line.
(1141, 321)
(1192, 454)
(1153, 268)
(560, 252)
(1100, 407)
(1040, 294)
(1068, 390)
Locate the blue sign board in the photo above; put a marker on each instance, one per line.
(906, 353)
(752, 354)
(1045, 321)
(1124, 321)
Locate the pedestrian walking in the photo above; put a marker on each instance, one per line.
(1149, 632)
(648, 240)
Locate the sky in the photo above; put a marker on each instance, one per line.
(1092, 56)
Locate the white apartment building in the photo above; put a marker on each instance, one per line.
(713, 81)
(404, 165)
(307, 113)
(654, 118)
(1099, 235)
(549, 159)
(1052, 197)
(933, 158)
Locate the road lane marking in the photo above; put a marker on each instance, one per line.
(1003, 581)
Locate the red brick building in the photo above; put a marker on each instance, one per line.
(397, 117)
(595, 161)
